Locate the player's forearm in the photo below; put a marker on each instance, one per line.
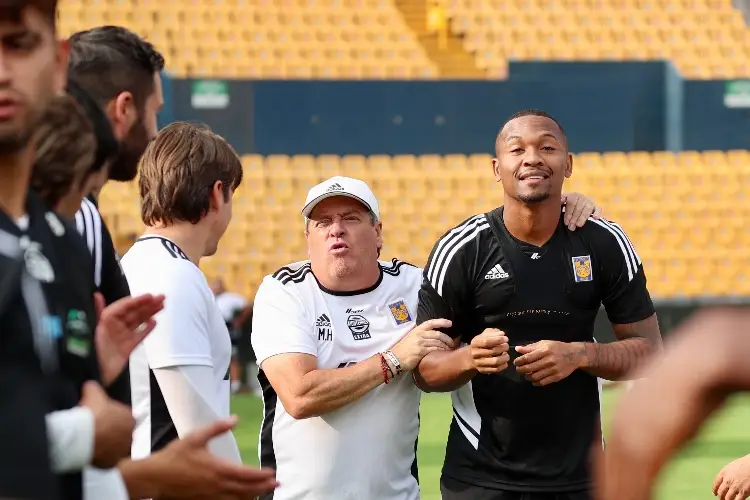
(323, 391)
(636, 343)
(141, 477)
(445, 371)
(185, 390)
(615, 360)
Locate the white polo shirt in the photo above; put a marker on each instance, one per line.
(363, 451)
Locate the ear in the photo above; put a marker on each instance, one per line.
(379, 233)
(496, 170)
(122, 114)
(569, 167)
(61, 73)
(217, 196)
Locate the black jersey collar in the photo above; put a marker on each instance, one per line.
(524, 247)
(35, 210)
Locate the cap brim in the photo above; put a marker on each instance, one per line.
(307, 210)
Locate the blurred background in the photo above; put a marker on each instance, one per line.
(408, 95)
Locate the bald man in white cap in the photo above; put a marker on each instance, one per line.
(335, 338)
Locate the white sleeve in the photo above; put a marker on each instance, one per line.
(104, 483)
(280, 322)
(189, 394)
(181, 335)
(70, 434)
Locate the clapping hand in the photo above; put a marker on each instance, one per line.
(121, 327)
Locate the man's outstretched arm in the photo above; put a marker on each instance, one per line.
(186, 469)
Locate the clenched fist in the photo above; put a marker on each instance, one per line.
(489, 351)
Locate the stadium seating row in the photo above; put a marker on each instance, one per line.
(703, 40)
(268, 39)
(370, 38)
(688, 214)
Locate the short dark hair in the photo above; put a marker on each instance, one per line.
(179, 170)
(65, 149)
(10, 10)
(531, 112)
(109, 60)
(106, 143)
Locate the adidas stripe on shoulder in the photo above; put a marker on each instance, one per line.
(395, 268)
(632, 259)
(89, 226)
(292, 273)
(449, 244)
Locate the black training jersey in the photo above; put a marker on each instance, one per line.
(107, 273)
(507, 434)
(47, 320)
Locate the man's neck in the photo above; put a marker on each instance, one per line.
(15, 176)
(532, 223)
(352, 283)
(187, 236)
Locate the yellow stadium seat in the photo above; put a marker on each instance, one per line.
(689, 224)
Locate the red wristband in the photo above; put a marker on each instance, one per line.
(384, 367)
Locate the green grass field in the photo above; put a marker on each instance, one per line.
(689, 477)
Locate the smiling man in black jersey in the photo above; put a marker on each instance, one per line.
(523, 292)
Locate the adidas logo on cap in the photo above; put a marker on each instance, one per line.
(334, 187)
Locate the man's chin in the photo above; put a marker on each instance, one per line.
(12, 142)
(533, 198)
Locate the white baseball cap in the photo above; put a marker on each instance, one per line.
(341, 186)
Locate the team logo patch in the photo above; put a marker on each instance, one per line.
(400, 312)
(582, 268)
(38, 266)
(79, 333)
(359, 326)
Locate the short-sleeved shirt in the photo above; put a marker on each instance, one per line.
(507, 434)
(190, 331)
(57, 334)
(366, 449)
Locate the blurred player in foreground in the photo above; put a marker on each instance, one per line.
(705, 361)
(184, 469)
(336, 341)
(523, 290)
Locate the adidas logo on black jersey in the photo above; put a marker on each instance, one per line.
(323, 325)
(334, 187)
(496, 273)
